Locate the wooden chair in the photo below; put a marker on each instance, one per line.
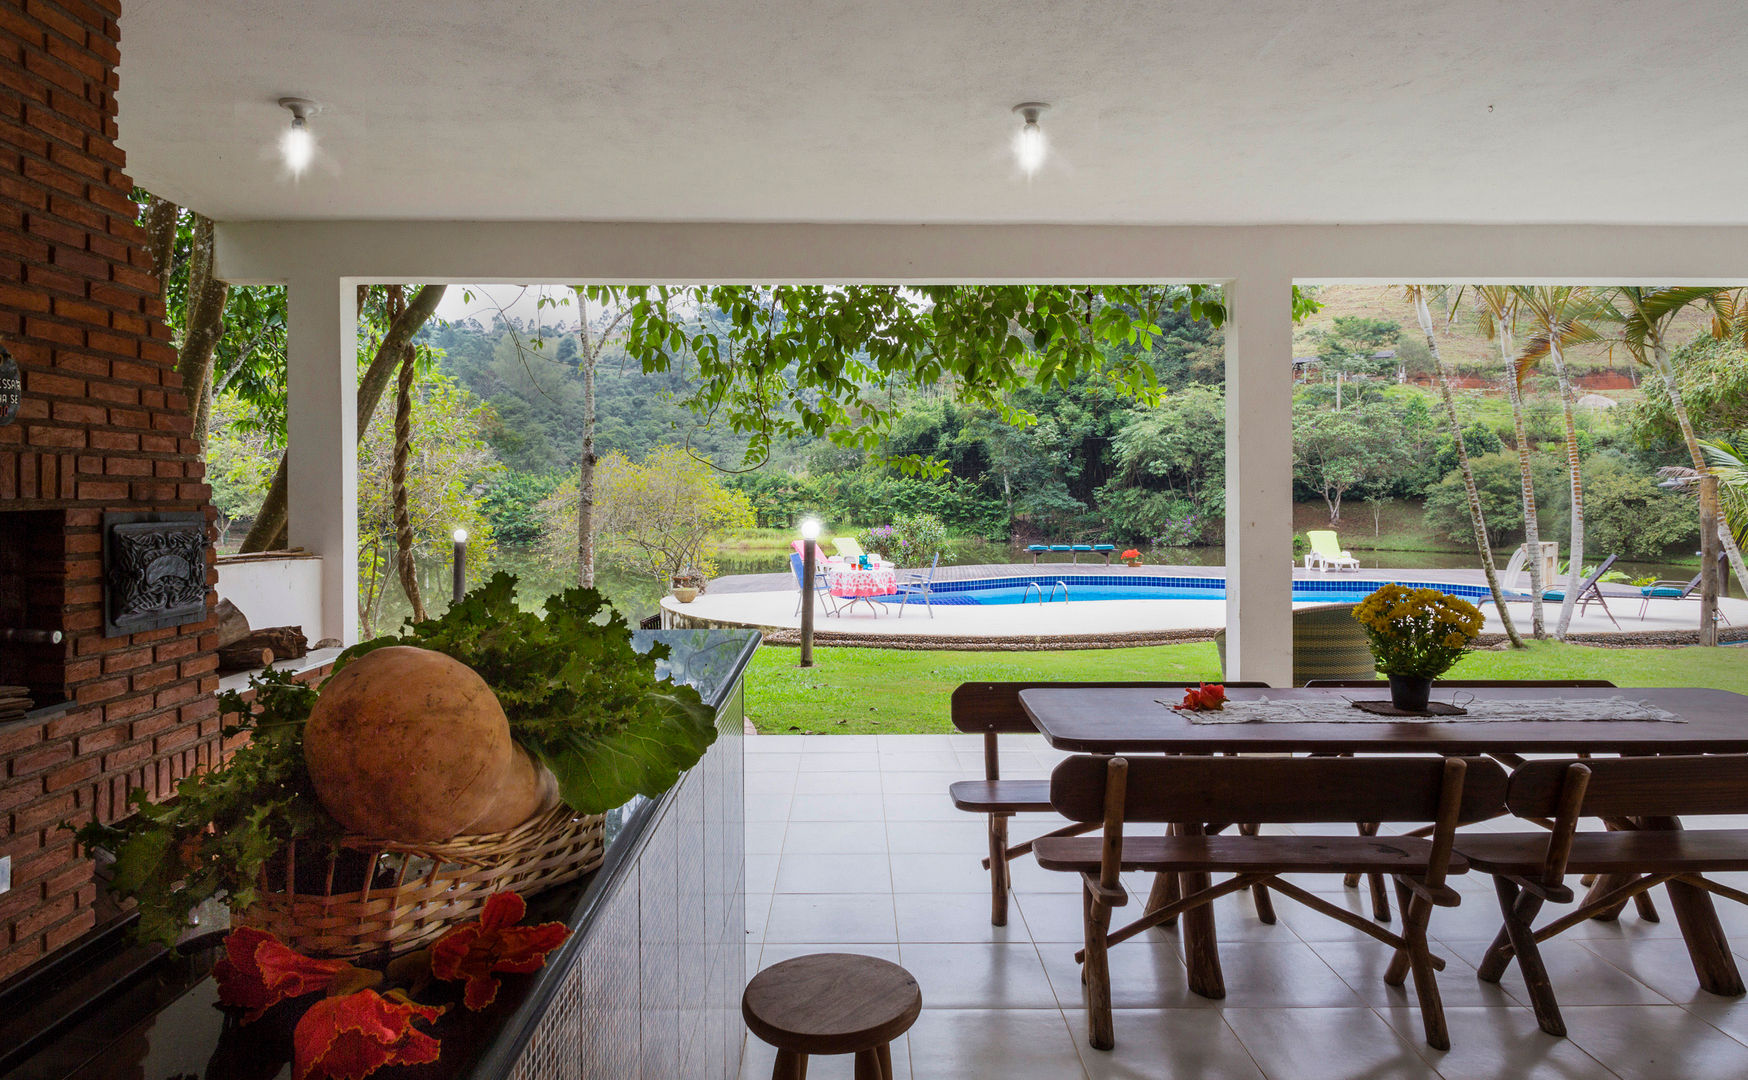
(832, 1003)
(992, 709)
(1381, 895)
(1194, 790)
(1641, 797)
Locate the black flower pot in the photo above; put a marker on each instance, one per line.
(1410, 693)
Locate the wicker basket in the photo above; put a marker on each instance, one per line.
(416, 891)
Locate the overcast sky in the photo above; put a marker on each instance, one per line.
(517, 301)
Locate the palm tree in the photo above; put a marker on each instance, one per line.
(1417, 297)
(1561, 316)
(1497, 307)
(1644, 316)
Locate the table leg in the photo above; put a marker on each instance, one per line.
(1201, 948)
(1707, 946)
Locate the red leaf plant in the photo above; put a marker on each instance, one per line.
(477, 951)
(350, 1037)
(1208, 697)
(259, 971)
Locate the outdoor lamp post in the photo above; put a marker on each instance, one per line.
(809, 545)
(459, 564)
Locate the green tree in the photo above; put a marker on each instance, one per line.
(449, 462)
(1337, 452)
(1349, 349)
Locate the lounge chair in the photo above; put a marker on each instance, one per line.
(917, 583)
(1073, 551)
(1327, 553)
(1675, 590)
(847, 547)
(1588, 593)
(820, 585)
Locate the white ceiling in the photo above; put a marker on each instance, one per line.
(1200, 111)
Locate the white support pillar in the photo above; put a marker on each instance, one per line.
(1259, 479)
(322, 441)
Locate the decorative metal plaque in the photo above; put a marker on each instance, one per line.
(154, 571)
(11, 387)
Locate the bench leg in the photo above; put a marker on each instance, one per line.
(1416, 912)
(1520, 910)
(1095, 972)
(1165, 891)
(1201, 946)
(1707, 946)
(1380, 891)
(884, 1052)
(790, 1066)
(1259, 894)
(868, 1066)
(998, 870)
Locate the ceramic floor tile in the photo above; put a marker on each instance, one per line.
(917, 783)
(772, 763)
(789, 950)
(767, 806)
(859, 918)
(838, 744)
(914, 743)
(762, 873)
(1010, 1044)
(1155, 1043)
(1660, 963)
(1361, 964)
(867, 806)
(833, 762)
(1656, 1043)
(1144, 975)
(835, 837)
(778, 783)
(922, 761)
(1579, 976)
(1326, 1044)
(1057, 917)
(955, 917)
(765, 837)
(810, 782)
(1496, 1044)
(772, 744)
(1028, 875)
(938, 873)
(758, 911)
(1279, 974)
(936, 807)
(810, 873)
(980, 976)
(969, 837)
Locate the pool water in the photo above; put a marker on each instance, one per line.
(1081, 589)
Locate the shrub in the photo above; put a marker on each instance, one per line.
(911, 539)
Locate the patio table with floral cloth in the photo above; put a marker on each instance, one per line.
(848, 581)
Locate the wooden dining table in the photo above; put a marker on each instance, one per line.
(1139, 720)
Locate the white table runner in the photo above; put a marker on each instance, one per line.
(1263, 710)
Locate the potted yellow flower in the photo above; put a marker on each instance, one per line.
(1416, 635)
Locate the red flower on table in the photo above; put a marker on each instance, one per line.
(477, 951)
(1208, 697)
(259, 971)
(348, 1038)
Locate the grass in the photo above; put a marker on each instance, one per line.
(861, 691)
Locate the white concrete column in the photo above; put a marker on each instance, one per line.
(322, 441)
(1259, 478)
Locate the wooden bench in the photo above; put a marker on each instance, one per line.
(992, 709)
(832, 1003)
(1640, 799)
(1380, 894)
(1190, 791)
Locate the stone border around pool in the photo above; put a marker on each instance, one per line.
(775, 635)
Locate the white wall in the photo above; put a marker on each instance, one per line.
(275, 589)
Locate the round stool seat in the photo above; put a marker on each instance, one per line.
(831, 1003)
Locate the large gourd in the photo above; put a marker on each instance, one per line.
(411, 745)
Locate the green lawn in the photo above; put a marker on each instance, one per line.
(852, 691)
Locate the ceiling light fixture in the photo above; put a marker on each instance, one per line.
(1029, 145)
(297, 146)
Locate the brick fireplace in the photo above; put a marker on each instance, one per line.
(102, 427)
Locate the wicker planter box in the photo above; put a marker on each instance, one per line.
(378, 896)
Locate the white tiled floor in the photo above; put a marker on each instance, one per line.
(853, 846)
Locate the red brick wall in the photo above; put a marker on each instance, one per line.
(103, 426)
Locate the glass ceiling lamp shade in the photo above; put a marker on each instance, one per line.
(1029, 145)
(298, 146)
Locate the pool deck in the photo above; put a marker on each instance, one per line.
(767, 602)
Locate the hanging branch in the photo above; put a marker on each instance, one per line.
(398, 469)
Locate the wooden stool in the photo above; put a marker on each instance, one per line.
(832, 1003)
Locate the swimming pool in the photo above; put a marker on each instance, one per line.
(1079, 588)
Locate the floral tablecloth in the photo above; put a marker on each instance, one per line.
(850, 581)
